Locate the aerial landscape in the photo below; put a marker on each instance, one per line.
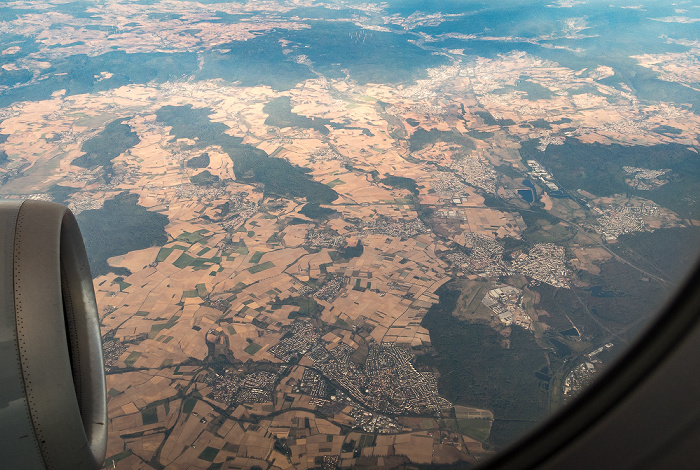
(333, 234)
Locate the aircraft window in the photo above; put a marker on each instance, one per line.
(357, 234)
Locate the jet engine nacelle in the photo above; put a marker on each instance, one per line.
(52, 383)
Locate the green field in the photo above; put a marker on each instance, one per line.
(274, 239)
(478, 429)
(149, 415)
(163, 254)
(238, 288)
(155, 329)
(252, 348)
(122, 283)
(188, 405)
(209, 454)
(261, 267)
(476, 300)
(133, 357)
(183, 261)
(255, 259)
(367, 440)
(191, 237)
(336, 182)
(308, 307)
(117, 457)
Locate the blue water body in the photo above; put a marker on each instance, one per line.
(597, 291)
(533, 190)
(542, 376)
(527, 194)
(562, 349)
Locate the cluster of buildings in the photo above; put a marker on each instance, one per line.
(624, 126)
(583, 374)
(343, 373)
(312, 383)
(124, 172)
(325, 239)
(451, 214)
(330, 462)
(541, 174)
(614, 221)
(506, 303)
(387, 383)
(547, 139)
(300, 288)
(578, 379)
(303, 337)
(331, 288)
(83, 177)
(484, 256)
(363, 418)
(326, 154)
(239, 218)
(240, 209)
(373, 422)
(423, 108)
(391, 376)
(447, 184)
(418, 19)
(84, 202)
(224, 386)
(257, 387)
(645, 179)
(302, 59)
(419, 96)
(402, 228)
(476, 173)
(112, 349)
(33, 196)
(545, 262)
(231, 387)
(193, 191)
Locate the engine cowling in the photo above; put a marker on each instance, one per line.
(52, 384)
